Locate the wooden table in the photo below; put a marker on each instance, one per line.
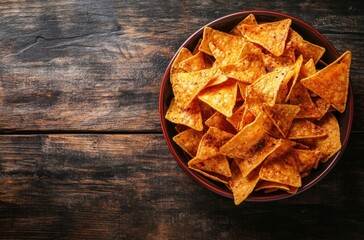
(81, 149)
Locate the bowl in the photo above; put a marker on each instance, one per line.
(225, 24)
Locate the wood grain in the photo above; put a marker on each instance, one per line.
(108, 186)
(71, 65)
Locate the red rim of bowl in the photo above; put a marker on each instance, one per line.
(347, 116)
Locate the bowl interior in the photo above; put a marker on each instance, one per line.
(226, 24)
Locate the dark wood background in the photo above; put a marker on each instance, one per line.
(81, 149)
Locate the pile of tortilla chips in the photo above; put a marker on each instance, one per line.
(252, 110)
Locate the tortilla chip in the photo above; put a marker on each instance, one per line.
(226, 47)
(189, 140)
(307, 49)
(253, 101)
(214, 176)
(219, 121)
(307, 160)
(332, 82)
(242, 186)
(281, 169)
(299, 96)
(221, 97)
(182, 55)
(330, 144)
(194, 63)
(271, 186)
(302, 128)
(218, 78)
(272, 35)
(196, 49)
(237, 117)
(186, 86)
(250, 20)
(247, 69)
(267, 86)
(286, 87)
(189, 116)
(272, 62)
(250, 146)
(322, 106)
(282, 116)
(308, 68)
(211, 142)
(218, 164)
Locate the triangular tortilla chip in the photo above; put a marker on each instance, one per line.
(214, 176)
(211, 142)
(288, 84)
(218, 78)
(219, 121)
(267, 86)
(194, 63)
(271, 186)
(250, 20)
(330, 144)
(182, 55)
(302, 128)
(322, 106)
(250, 146)
(332, 82)
(307, 49)
(308, 68)
(272, 62)
(242, 186)
(307, 160)
(281, 169)
(218, 164)
(221, 97)
(299, 96)
(228, 45)
(186, 86)
(272, 35)
(247, 69)
(282, 116)
(189, 140)
(196, 48)
(237, 117)
(190, 116)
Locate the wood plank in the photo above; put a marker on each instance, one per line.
(94, 65)
(129, 187)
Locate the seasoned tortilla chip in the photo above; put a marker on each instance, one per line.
(194, 63)
(332, 82)
(307, 160)
(211, 142)
(226, 48)
(282, 116)
(250, 20)
(307, 49)
(322, 106)
(281, 169)
(240, 185)
(182, 55)
(330, 144)
(221, 97)
(267, 86)
(236, 119)
(271, 186)
(299, 96)
(308, 68)
(189, 140)
(302, 128)
(186, 86)
(250, 146)
(189, 116)
(219, 121)
(272, 35)
(218, 164)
